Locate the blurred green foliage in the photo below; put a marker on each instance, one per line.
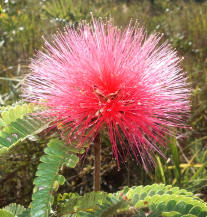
(184, 24)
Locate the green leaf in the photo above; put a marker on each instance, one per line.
(90, 202)
(195, 210)
(60, 179)
(202, 214)
(180, 206)
(71, 160)
(161, 168)
(12, 113)
(19, 124)
(170, 214)
(22, 129)
(171, 204)
(173, 145)
(5, 213)
(189, 215)
(15, 209)
(2, 123)
(25, 213)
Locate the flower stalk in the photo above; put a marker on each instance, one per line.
(97, 163)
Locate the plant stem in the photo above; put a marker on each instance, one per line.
(97, 163)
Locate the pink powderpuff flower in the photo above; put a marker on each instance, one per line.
(99, 77)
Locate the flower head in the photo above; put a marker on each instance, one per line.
(99, 77)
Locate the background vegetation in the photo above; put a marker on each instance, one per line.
(184, 24)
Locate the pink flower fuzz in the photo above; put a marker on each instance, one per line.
(101, 78)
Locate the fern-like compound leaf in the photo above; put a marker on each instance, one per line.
(151, 201)
(48, 179)
(19, 124)
(12, 113)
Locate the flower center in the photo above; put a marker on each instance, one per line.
(107, 103)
